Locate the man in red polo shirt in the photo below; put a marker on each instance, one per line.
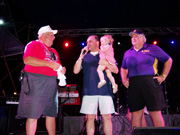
(39, 87)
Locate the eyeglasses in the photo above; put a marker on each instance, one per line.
(53, 56)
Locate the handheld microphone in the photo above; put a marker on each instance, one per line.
(84, 52)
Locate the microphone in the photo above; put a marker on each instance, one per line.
(84, 52)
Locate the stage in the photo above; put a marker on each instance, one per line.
(73, 125)
(70, 122)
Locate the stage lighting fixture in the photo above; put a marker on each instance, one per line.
(154, 42)
(83, 44)
(66, 44)
(172, 42)
(1, 21)
(118, 43)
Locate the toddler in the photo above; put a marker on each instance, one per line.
(106, 53)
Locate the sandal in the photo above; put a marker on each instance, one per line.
(101, 83)
(115, 88)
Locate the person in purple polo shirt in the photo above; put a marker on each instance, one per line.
(139, 73)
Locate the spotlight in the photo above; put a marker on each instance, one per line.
(118, 43)
(83, 44)
(1, 21)
(15, 93)
(66, 44)
(172, 42)
(154, 42)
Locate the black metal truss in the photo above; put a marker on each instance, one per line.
(118, 31)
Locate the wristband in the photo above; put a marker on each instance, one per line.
(164, 75)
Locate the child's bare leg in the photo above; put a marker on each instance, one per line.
(109, 75)
(111, 78)
(100, 72)
(101, 75)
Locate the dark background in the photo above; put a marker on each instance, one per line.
(24, 18)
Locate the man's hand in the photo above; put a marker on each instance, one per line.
(84, 51)
(159, 78)
(103, 62)
(112, 68)
(63, 71)
(54, 65)
(126, 83)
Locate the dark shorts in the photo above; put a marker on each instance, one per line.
(145, 91)
(38, 96)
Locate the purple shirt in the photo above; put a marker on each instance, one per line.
(144, 61)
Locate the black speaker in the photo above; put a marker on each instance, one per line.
(156, 131)
(19, 125)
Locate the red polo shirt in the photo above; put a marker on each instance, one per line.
(38, 50)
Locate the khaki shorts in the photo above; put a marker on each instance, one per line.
(91, 103)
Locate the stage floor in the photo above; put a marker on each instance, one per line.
(74, 125)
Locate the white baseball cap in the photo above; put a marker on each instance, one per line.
(45, 29)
